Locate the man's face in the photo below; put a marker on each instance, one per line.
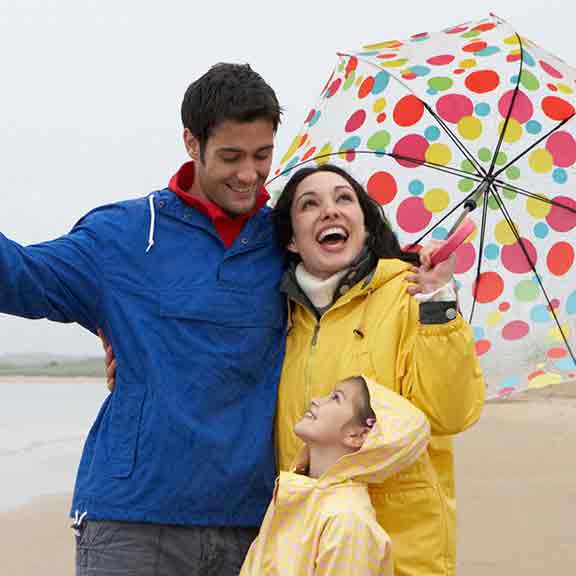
(236, 163)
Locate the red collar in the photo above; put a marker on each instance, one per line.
(227, 227)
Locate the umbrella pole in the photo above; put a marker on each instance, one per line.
(470, 204)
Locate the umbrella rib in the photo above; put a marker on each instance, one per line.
(480, 251)
(431, 165)
(508, 218)
(528, 194)
(509, 113)
(533, 145)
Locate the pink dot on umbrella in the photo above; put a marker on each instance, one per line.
(334, 87)
(310, 116)
(482, 346)
(559, 218)
(557, 353)
(550, 70)
(382, 187)
(408, 111)
(556, 108)
(465, 258)
(489, 287)
(562, 146)
(412, 146)
(454, 107)
(560, 258)
(482, 81)
(457, 30)
(366, 87)
(412, 216)
(555, 303)
(515, 260)
(522, 110)
(355, 121)
(504, 307)
(515, 330)
(441, 60)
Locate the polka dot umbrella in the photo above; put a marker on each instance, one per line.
(478, 118)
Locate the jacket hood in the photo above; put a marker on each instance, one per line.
(399, 436)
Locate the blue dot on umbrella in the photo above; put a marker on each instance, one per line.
(431, 92)
(492, 251)
(351, 143)
(482, 109)
(514, 79)
(314, 118)
(416, 187)
(541, 230)
(540, 314)
(432, 133)
(533, 127)
(292, 163)
(560, 176)
(528, 58)
(565, 364)
(439, 233)
(488, 51)
(419, 70)
(380, 82)
(478, 333)
(512, 382)
(571, 303)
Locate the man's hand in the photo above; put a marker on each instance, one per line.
(425, 279)
(110, 361)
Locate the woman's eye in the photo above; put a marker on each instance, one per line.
(307, 204)
(345, 198)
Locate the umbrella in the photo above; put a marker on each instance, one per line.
(474, 120)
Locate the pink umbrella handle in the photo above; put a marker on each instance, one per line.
(453, 242)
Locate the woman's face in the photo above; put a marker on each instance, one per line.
(327, 223)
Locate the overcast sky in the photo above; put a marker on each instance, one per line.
(90, 94)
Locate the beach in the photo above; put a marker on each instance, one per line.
(516, 480)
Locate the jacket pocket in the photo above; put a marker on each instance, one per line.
(124, 422)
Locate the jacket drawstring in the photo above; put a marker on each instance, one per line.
(152, 223)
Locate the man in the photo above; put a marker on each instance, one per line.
(178, 467)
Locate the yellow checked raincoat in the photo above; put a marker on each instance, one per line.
(327, 526)
(374, 329)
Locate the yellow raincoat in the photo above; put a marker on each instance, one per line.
(374, 329)
(327, 526)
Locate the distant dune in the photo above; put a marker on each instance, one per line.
(46, 365)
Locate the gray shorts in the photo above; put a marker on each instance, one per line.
(130, 549)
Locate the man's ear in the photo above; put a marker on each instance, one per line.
(292, 246)
(192, 145)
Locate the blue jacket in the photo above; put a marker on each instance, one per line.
(198, 332)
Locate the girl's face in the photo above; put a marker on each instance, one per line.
(327, 223)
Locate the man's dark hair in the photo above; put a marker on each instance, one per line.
(381, 240)
(227, 92)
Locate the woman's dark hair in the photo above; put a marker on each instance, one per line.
(227, 92)
(381, 240)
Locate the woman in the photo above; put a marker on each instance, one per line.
(351, 311)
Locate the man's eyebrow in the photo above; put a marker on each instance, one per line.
(236, 150)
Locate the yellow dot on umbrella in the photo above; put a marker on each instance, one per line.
(436, 200)
(467, 63)
(541, 161)
(544, 380)
(511, 40)
(556, 335)
(493, 319)
(439, 154)
(538, 208)
(394, 63)
(470, 128)
(296, 143)
(514, 130)
(323, 152)
(472, 236)
(504, 234)
(381, 45)
(565, 89)
(379, 105)
(359, 80)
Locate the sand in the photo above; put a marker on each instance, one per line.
(516, 475)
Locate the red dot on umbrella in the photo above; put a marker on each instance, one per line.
(482, 346)
(351, 65)
(459, 71)
(387, 56)
(310, 116)
(560, 258)
(381, 117)
(513, 57)
(440, 60)
(555, 303)
(489, 287)
(465, 258)
(552, 87)
(561, 219)
(382, 187)
(355, 121)
(475, 47)
(514, 258)
(504, 307)
(562, 146)
(551, 70)
(454, 107)
(515, 330)
(366, 87)
(557, 353)
(485, 27)
(482, 81)
(408, 111)
(334, 87)
(557, 108)
(309, 153)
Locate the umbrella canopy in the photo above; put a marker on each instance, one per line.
(478, 118)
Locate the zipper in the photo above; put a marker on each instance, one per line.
(311, 354)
